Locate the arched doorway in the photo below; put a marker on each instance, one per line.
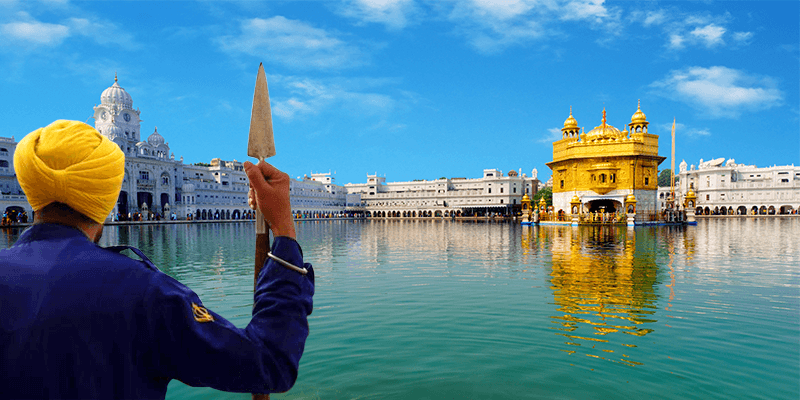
(144, 197)
(122, 203)
(203, 215)
(707, 211)
(762, 210)
(164, 199)
(13, 213)
(771, 210)
(754, 210)
(607, 206)
(236, 214)
(742, 210)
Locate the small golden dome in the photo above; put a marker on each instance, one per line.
(630, 199)
(575, 199)
(571, 122)
(690, 194)
(638, 117)
(525, 198)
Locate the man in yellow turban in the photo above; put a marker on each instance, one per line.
(81, 321)
(71, 174)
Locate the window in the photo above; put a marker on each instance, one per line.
(708, 197)
(490, 190)
(646, 181)
(144, 175)
(165, 180)
(501, 190)
(562, 184)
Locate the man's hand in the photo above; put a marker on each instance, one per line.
(269, 189)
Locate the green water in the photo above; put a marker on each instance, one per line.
(443, 310)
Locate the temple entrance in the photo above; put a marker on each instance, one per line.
(164, 199)
(606, 206)
(144, 197)
(122, 203)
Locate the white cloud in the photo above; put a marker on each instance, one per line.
(720, 91)
(491, 26)
(25, 32)
(742, 37)
(102, 32)
(710, 34)
(553, 135)
(584, 9)
(309, 96)
(683, 130)
(676, 41)
(292, 43)
(654, 18)
(35, 32)
(395, 14)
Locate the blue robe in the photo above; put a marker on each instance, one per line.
(81, 321)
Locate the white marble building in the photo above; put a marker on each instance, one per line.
(727, 188)
(318, 196)
(492, 193)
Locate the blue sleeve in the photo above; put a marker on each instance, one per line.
(262, 358)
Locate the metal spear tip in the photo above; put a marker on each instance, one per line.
(261, 142)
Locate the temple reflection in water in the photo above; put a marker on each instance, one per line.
(604, 281)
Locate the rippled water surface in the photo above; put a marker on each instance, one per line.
(441, 310)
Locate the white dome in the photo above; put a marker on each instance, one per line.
(155, 138)
(112, 131)
(116, 95)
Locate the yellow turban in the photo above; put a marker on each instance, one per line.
(70, 162)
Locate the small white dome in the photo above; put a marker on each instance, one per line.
(155, 138)
(112, 131)
(116, 95)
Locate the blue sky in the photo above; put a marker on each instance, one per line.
(414, 89)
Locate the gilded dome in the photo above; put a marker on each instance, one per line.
(155, 138)
(571, 122)
(604, 131)
(638, 117)
(116, 95)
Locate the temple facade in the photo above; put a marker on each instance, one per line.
(606, 169)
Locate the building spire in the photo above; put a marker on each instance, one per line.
(604, 118)
(115, 76)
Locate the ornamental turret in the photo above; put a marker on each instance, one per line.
(638, 120)
(570, 129)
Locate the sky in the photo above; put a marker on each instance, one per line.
(414, 89)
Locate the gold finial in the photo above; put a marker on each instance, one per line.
(639, 104)
(604, 118)
(115, 76)
(570, 111)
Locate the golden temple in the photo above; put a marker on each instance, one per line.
(606, 170)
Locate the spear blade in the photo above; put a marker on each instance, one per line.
(261, 142)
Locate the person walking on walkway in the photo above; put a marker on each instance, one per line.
(82, 321)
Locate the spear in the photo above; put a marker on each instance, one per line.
(261, 145)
